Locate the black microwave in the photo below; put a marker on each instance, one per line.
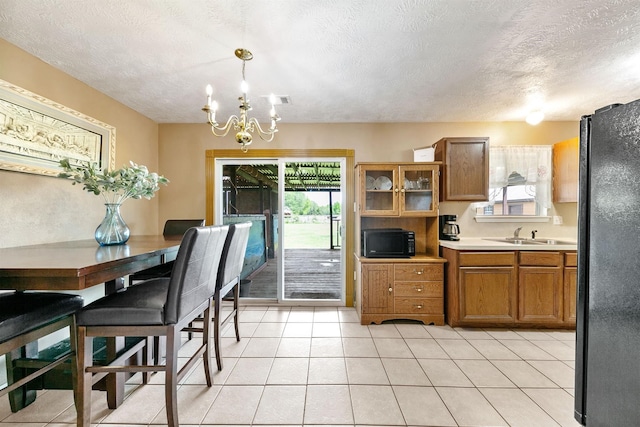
(387, 243)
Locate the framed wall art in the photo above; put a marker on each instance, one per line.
(36, 133)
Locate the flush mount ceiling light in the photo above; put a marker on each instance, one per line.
(243, 125)
(535, 117)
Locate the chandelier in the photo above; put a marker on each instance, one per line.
(243, 125)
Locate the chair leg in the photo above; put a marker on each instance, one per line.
(22, 396)
(236, 299)
(217, 301)
(206, 341)
(73, 356)
(83, 393)
(148, 357)
(171, 376)
(159, 346)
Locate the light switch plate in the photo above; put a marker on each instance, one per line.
(557, 220)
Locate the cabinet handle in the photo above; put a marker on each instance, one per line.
(419, 272)
(418, 288)
(390, 290)
(396, 190)
(419, 307)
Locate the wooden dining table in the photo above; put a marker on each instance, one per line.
(81, 264)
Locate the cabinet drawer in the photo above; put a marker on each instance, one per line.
(419, 289)
(571, 259)
(486, 259)
(418, 272)
(419, 305)
(541, 258)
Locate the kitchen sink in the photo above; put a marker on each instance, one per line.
(554, 242)
(517, 241)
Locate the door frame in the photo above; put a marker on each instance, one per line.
(349, 185)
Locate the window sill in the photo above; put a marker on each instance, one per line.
(512, 218)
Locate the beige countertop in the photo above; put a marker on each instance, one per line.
(493, 244)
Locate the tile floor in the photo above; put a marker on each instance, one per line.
(303, 366)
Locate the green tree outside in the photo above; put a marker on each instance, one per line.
(300, 204)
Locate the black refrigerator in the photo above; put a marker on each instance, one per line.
(607, 391)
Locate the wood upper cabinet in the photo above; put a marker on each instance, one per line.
(566, 157)
(465, 174)
(398, 189)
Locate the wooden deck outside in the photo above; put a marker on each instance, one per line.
(309, 274)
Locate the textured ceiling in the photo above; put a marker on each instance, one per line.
(343, 60)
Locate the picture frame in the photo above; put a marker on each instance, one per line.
(36, 133)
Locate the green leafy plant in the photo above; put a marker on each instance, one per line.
(115, 186)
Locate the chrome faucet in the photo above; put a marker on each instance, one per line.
(516, 233)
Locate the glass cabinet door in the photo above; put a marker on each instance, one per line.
(418, 190)
(379, 189)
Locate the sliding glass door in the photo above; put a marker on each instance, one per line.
(295, 206)
(312, 234)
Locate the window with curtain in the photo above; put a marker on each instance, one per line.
(519, 181)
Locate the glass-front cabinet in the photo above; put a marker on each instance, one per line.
(399, 195)
(409, 189)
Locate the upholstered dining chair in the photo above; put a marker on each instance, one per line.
(172, 228)
(228, 281)
(159, 307)
(26, 317)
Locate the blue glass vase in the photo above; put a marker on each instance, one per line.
(112, 230)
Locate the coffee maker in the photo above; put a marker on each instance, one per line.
(449, 230)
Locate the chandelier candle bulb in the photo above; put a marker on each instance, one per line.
(209, 93)
(272, 112)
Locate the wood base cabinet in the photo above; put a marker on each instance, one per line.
(570, 287)
(510, 288)
(487, 295)
(377, 288)
(393, 290)
(481, 287)
(540, 291)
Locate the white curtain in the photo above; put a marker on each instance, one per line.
(524, 164)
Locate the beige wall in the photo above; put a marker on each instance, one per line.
(182, 150)
(37, 209)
